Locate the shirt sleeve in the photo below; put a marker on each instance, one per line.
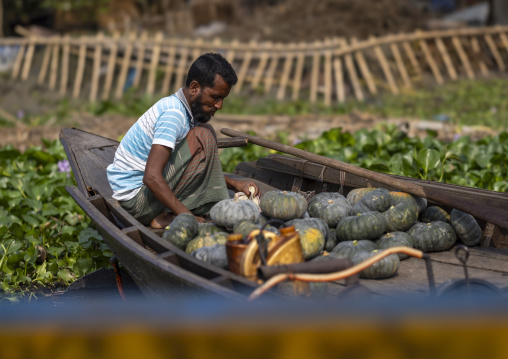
(169, 126)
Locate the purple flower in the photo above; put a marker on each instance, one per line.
(296, 141)
(21, 114)
(63, 166)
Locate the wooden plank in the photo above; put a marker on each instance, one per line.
(314, 80)
(400, 65)
(297, 82)
(339, 80)
(242, 74)
(475, 45)
(441, 47)
(263, 61)
(140, 58)
(134, 234)
(430, 61)
(154, 62)
(28, 58)
(64, 77)
(504, 40)
(285, 74)
(16, 68)
(44, 65)
(113, 51)
(475, 260)
(54, 64)
(385, 67)
(168, 70)
(274, 61)
(182, 69)
(328, 78)
(364, 69)
(97, 61)
(124, 69)
(495, 52)
(412, 58)
(350, 66)
(463, 57)
(80, 68)
(170, 257)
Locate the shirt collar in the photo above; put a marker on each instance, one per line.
(181, 97)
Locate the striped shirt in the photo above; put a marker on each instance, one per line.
(166, 123)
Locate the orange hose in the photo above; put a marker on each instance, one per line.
(333, 276)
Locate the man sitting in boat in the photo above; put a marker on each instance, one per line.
(168, 163)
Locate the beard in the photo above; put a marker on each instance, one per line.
(198, 113)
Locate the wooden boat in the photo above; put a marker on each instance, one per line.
(160, 269)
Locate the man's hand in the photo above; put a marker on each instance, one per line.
(242, 186)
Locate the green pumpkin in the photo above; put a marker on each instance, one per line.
(283, 205)
(328, 256)
(348, 248)
(433, 237)
(355, 195)
(206, 240)
(207, 227)
(180, 232)
(245, 227)
(228, 212)
(368, 225)
(384, 268)
(311, 238)
(434, 213)
(466, 227)
(313, 222)
(330, 207)
(403, 212)
(377, 200)
(396, 239)
(214, 254)
(421, 202)
(331, 240)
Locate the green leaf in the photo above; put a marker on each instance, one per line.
(65, 275)
(429, 158)
(30, 220)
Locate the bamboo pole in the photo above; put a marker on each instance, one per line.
(504, 40)
(54, 64)
(385, 67)
(495, 52)
(230, 56)
(412, 58)
(17, 62)
(263, 60)
(475, 45)
(182, 69)
(154, 62)
(297, 82)
(28, 58)
(364, 69)
(430, 61)
(111, 66)
(314, 80)
(45, 64)
(140, 54)
(285, 75)
(328, 77)
(168, 70)
(441, 47)
(242, 74)
(97, 61)
(350, 66)
(339, 80)
(80, 69)
(271, 69)
(124, 69)
(64, 79)
(463, 57)
(400, 65)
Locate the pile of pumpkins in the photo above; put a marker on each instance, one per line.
(331, 225)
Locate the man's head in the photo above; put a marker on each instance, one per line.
(209, 81)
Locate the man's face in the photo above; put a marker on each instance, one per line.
(208, 100)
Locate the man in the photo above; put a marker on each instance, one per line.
(167, 163)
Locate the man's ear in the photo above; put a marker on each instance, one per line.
(194, 88)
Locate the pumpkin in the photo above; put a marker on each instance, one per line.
(348, 248)
(403, 212)
(206, 240)
(207, 227)
(330, 207)
(214, 254)
(228, 212)
(312, 238)
(434, 213)
(421, 202)
(331, 240)
(396, 239)
(466, 227)
(283, 205)
(355, 195)
(367, 225)
(327, 256)
(433, 237)
(378, 199)
(180, 232)
(384, 268)
(245, 227)
(313, 222)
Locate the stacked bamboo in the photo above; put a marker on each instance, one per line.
(334, 70)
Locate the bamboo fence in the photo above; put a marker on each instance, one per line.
(335, 70)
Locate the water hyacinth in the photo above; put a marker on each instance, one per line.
(63, 166)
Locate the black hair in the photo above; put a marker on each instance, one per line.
(207, 66)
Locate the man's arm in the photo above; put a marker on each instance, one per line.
(241, 186)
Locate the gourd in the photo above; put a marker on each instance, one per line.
(330, 207)
(331, 240)
(283, 205)
(434, 213)
(403, 212)
(377, 200)
(355, 195)
(207, 227)
(466, 227)
(311, 238)
(384, 268)
(206, 240)
(326, 257)
(396, 239)
(245, 227)
(313, 222)
(180, 232)
(433, 237)
(367, 225)
(228, 212)
(348, 248)
(421, 202)
(214, 254)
